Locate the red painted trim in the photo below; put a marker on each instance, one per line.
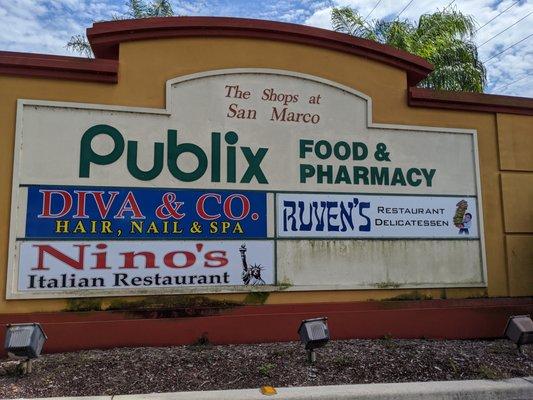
(439, 319)
(419, 97)
(105, 38)
(58, 67)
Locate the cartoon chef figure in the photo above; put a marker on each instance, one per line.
(467, 223)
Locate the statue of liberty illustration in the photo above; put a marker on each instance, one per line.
(251, 275)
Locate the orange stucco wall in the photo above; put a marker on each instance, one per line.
(505, 145)
(515, 138)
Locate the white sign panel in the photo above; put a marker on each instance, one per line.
(371, 216)
(244, 131)
(77, 266)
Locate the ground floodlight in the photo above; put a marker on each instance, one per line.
(24, 342)
(313, 333)
(519, 329)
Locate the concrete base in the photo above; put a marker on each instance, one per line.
(510, 389)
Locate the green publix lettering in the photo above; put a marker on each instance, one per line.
(88, 156)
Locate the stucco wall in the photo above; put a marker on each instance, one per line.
(505, 144)
(515, 139)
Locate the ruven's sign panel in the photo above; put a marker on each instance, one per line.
(248, 178)
(371, 216)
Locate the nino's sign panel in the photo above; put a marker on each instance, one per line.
(248, 179)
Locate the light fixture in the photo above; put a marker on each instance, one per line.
(24, 342)
(313, 333)
(519, 329)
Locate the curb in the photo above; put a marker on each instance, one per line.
(509, 389)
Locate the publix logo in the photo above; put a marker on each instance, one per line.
(173, 151)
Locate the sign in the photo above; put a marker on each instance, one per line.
(73, 266)
(257, 137)
(290, 166)
(370, 216)
(116, 213)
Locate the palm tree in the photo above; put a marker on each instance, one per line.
(444, 38)
(136, 9)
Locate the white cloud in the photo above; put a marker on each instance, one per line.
(321, 18)
(45, 26)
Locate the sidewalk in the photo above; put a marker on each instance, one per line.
(509, 389)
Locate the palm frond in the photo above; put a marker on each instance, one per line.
(79, 44)
(137, 9)
(457, 67)
(395, 33)
(160, 8)
(347, 20)
(444, 38)
(448, 23)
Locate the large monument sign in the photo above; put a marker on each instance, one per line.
(249, 180)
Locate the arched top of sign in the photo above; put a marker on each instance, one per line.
(266, 71)
(176, 82)
(173, 83)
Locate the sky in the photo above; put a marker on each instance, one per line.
(45, 26)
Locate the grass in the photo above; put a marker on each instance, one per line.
(265, 369)
(388, 341)
(487, 372)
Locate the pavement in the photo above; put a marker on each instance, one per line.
(509, 389)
